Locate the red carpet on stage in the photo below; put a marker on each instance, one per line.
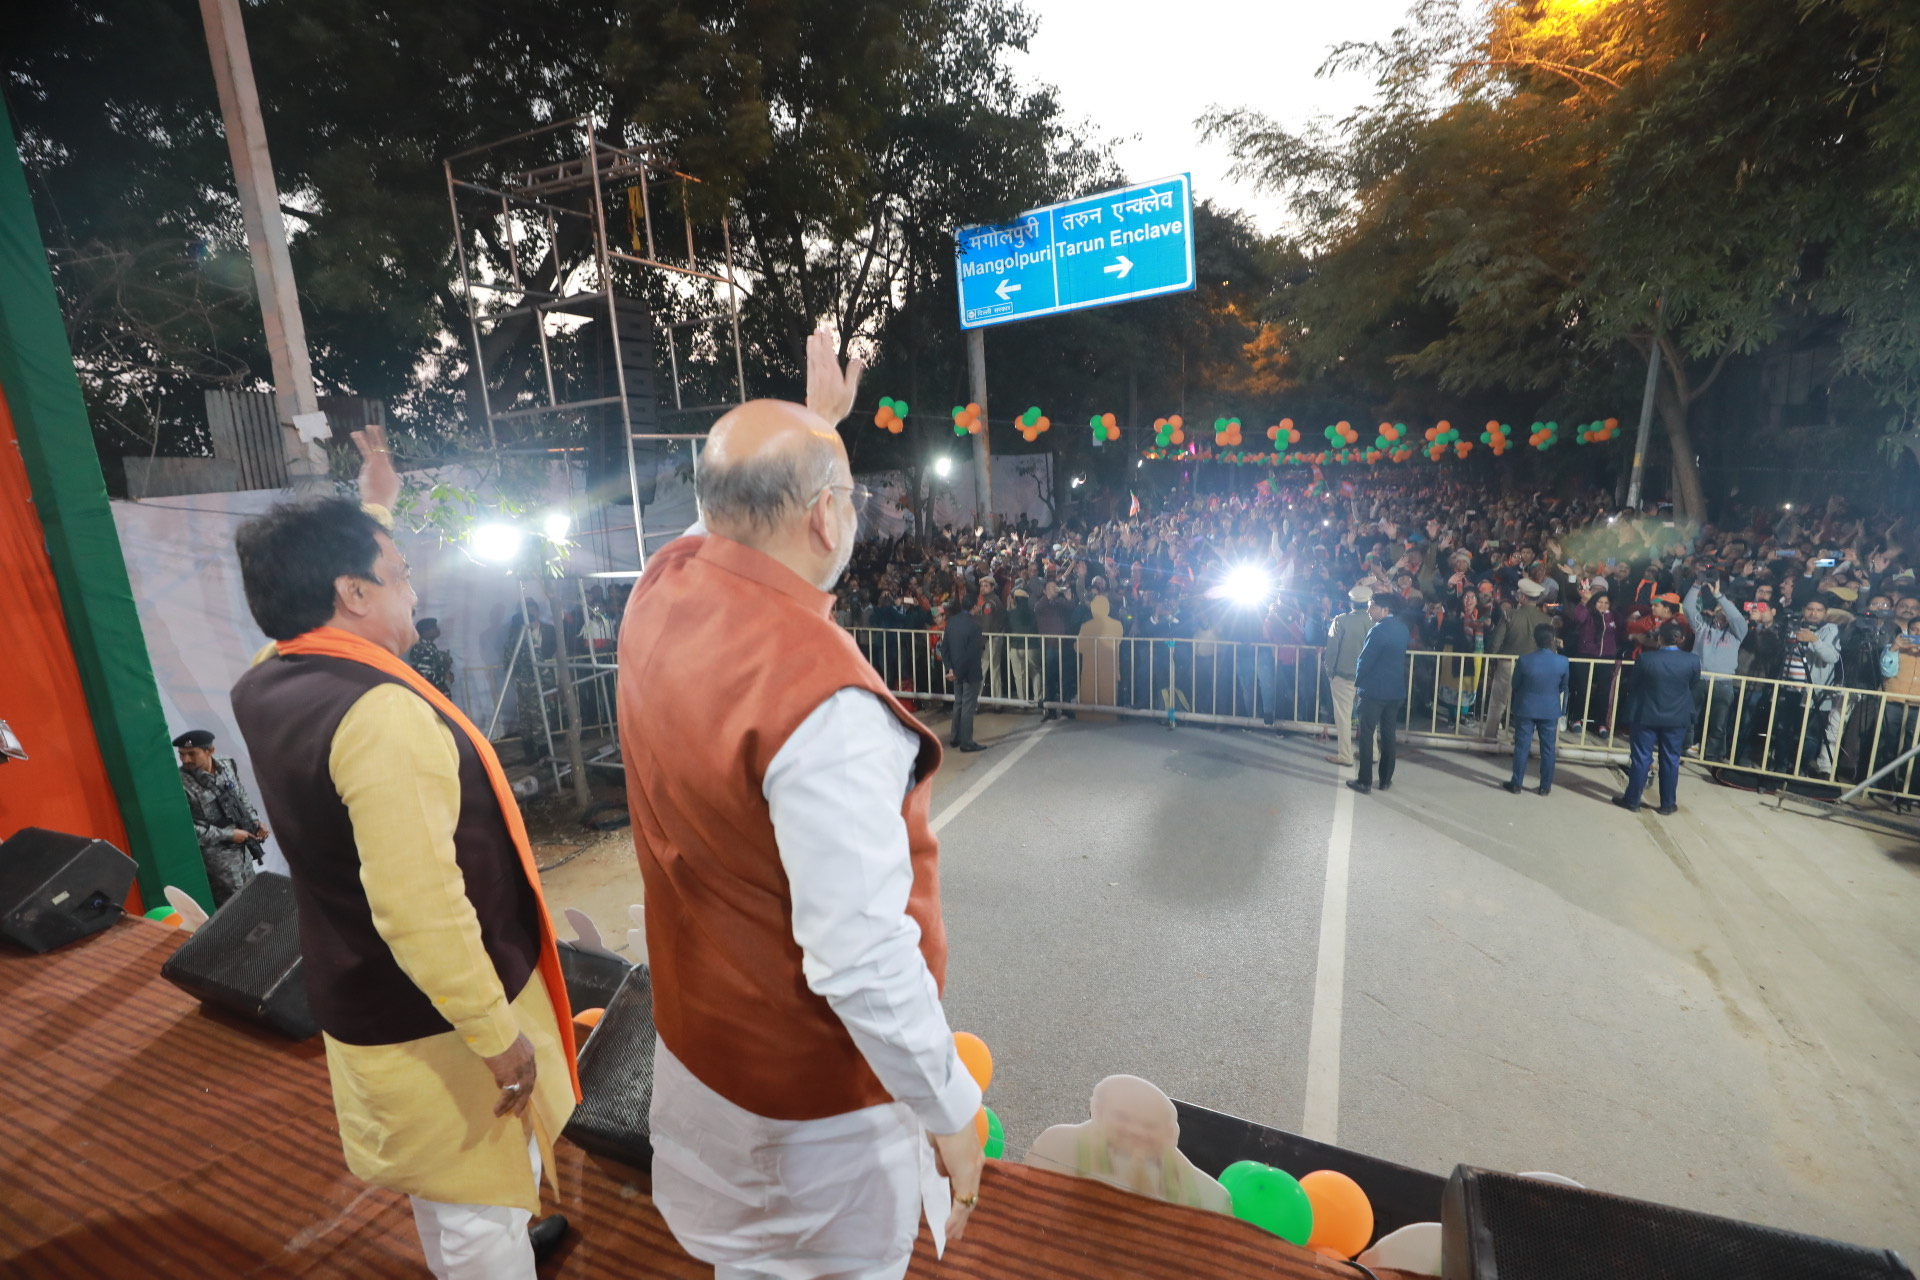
(141, 1137)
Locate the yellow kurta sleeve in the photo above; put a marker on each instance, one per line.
(395, 766)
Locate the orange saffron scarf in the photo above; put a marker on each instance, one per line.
(332, 642)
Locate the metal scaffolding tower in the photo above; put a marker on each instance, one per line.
(530, 217)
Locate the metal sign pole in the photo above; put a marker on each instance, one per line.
(982, 447)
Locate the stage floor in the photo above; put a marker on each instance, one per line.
(141, 1136)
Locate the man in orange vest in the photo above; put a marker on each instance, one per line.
(805, 1077)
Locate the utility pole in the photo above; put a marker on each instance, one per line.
(982, 448)
(301, 421)
(1646, 412)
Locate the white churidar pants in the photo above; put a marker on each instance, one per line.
(477, 1241)
(762, 1199)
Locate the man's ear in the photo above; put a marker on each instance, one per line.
(820, 520)
(349, 595)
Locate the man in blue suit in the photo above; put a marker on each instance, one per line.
(1659, 711)
(1381, 682)
(1539, 700)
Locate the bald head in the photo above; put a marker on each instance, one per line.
(764, 463)
(774, 476)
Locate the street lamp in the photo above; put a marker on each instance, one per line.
(943, 467)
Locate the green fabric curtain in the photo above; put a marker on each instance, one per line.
(56, 444)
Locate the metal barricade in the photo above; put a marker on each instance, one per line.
(1775, 731)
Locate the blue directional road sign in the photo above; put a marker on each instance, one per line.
(1113, 247)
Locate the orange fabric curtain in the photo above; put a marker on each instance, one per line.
(63, 783)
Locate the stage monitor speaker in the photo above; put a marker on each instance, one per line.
(616, 1077)
(56, 888)
(1399, 1195)
(592, 977)
(245, 959)
(1501, 1226)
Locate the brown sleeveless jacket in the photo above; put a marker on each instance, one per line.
(288, 708)
(724, 652)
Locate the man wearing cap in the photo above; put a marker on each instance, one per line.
(429, 659)
(1512, 639)
(1346, 637)
(1661, 610)
(224, 818)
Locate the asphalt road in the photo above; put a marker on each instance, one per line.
(1716, 1009)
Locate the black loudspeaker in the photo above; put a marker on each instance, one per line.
(1500, 1226)
(591, 976)
(245, 959)
(56, 888)
(616, 1077)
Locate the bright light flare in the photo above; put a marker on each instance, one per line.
(1247, 585)
(943, 467)
(557, 526)
(497, 543)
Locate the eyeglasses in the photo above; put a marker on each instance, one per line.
(858, 494)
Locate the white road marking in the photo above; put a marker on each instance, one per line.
(991, 776)
(1321, 1121)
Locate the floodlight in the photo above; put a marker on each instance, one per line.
(1248, 585)
(499, 543)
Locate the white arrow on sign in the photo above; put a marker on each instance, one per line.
(1121, 267)
(1006, 287)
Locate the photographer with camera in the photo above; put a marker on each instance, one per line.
(1718, 631)
(1810, 663)
(1863, 640)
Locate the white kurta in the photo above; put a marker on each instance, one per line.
(842, 1195)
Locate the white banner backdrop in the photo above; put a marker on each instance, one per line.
(201, 638)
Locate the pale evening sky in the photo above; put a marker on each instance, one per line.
(1133, 68)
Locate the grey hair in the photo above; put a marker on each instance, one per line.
(759, 492)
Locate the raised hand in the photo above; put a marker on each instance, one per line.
(830, 389)
(379, 482)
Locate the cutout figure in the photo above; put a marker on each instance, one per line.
(1131, 1143)
(1099, 650)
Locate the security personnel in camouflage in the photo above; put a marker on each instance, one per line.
(224, 818)
(429, 659)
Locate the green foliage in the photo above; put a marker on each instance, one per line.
(1545, 187)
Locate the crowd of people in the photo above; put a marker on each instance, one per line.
(1821, 600)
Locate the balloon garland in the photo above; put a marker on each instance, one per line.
(1545, 435)
(1169, 431)
(1226, 432)
(1283, 433)
(1341, 434)
(1443, 436)
(968, 420)
(1031, 423)
(1599, 432)
(1105, 427)
(1498, 437)
(891, 415)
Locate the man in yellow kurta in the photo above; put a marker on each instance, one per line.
(426, 948)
